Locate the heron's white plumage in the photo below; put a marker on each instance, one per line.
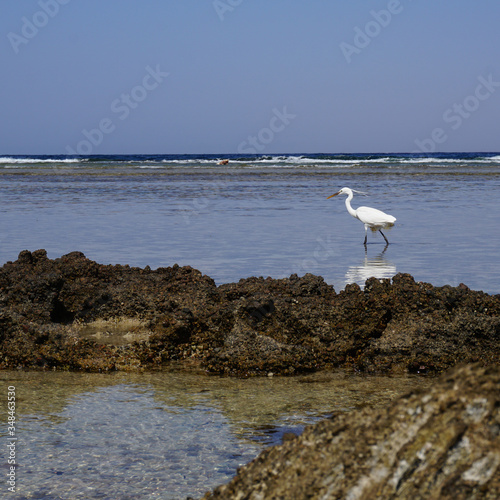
(370, 217)
(376, 219)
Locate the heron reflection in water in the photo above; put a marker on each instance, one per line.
(378, 267)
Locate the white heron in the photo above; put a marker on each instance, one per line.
(372, 218)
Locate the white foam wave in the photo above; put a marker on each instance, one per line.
(274, 161)
(429, 160)
(282, 160)
(463, 161)
(297, 161)
(190, 161)
(302, 160)
(287, 160)
(11, 160)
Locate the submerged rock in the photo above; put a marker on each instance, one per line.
(74, 313)
(443, 443)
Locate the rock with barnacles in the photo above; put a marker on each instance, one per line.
(73, 313)
(440, 444)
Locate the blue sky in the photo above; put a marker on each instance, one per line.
(227, 76)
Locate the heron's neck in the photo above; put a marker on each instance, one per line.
(348, 205)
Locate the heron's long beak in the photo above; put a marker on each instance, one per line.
(333, 195)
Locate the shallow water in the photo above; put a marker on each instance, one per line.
(169, 435)
(264, 216)
(164, 435)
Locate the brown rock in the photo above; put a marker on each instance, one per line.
(439, 444)
(252, 327)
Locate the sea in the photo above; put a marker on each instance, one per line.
(261, 215)
(171, 434)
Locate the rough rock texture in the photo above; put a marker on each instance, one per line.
(252, 327)
(440, 444)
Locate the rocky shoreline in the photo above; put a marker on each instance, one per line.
(73, 313)
(443, 443)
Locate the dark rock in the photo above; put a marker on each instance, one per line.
(443, 443)
(252, 327)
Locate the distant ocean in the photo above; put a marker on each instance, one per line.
(260, 215)
(170, 435)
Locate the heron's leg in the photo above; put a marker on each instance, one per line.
(366, 235)
(386, 240)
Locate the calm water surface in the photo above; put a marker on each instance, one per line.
(163, 435)
(169, 435)
(264, 216)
